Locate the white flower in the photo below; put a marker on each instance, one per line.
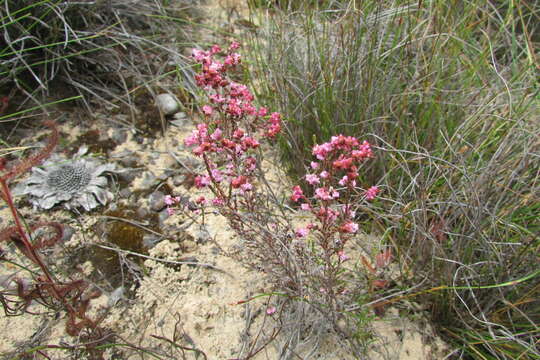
(77, 182)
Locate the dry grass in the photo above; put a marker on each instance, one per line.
(448, 91)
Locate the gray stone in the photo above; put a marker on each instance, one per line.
(157, 201)
(119, 135)
(124, 193)
(203, 236)
(142, 212)
(167, 104)
(178, 180)
(163, 215)
(150, 240)
(127, 175)
(166, 174)
(148, 180)
(126, 158)
(67, 233)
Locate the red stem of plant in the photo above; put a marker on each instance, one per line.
(28, 244)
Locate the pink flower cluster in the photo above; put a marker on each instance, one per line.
(232, 129)
(333, 180)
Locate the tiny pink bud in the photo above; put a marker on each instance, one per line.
(271, 310)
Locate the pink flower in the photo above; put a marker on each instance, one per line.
(323, 194)
(363, 152)
(238, 181)
(344, 180)
(297, 193)
(170, 211)
(271, 310)
(321, 151)
(305, 207)
(249, 142)
(202, 181)
(192, 139)
(274, 125)
(217, 175)
(324, 174)
(238, 133)
(218, 202)
(314, 165)
(372, 192)
(312, 179)
(301, 232)
(250, 163)
(349, 227)
(327, 214)
(343, 163)
(216, 98)
(246, 187)
(201, 200)
(207, 110)
(343, 256)
(216, 135)
(169, 200)
(232, 59)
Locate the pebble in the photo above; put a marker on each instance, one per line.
(124, 193)
(180, 120)
(126, 158)
(163, 215)
(167, 104)
(166, 174)
(150, 240)
(142, 212)
(127, 175)
(177, 180)
(119, 135)
(148, 180)
(67, 233)
(203, 235)
(115, 296)
(157, 201)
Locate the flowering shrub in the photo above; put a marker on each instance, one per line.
(302, 262)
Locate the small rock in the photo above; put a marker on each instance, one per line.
(180, 120)
(166, 175)
(67, 233)
(127, 175)
(115, 296)
(148, 180)
(126, 158)
(157, 201)
(124, 193)
(203, 235)
(180, 115)
(163, 215)
(150, 240)
(177, 180)
(167, 104)
(119, 135)
(189, 246)
(142, 212)
(190, 163)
